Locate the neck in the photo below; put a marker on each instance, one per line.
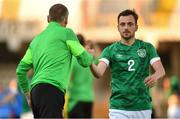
(61, 23)
(128, 42)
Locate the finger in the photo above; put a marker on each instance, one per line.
(148, 82)
(147, 79)
(152, 84)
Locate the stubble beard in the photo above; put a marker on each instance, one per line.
(127, 38)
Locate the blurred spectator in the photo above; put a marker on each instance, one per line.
(159, 95)
(174, 99)
(166, 93)
(16, 101)
(11, 101)
(5, 111)
(81, 95)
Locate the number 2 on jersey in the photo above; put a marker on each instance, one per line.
(131, 64)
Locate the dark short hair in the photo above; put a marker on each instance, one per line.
(81, 39)
(127, 13)
(58, 12)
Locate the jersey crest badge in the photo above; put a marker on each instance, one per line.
(141, 53)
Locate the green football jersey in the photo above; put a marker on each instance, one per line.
(50, 55)
(81, 85)
(129, 67)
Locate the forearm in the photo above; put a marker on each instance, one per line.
(159, 74)
(98, 70)
(28, 98)
(159, 71)
(77, 50)
(94, 70)
(85, 59)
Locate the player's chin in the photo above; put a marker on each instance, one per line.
(127, 37)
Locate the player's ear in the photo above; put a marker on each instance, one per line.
(48, 19)
(66, 20)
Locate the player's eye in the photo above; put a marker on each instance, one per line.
(122, 24)
(130, 24)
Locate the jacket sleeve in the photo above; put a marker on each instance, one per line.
(22, 69)
(83, 57)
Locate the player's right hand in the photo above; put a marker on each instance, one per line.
(28, 99)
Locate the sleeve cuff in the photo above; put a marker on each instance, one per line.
(105, 61)
(153, 60)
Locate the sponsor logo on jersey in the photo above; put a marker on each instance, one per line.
(118, 56)
(141, 53)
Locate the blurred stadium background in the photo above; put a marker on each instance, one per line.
(21, 20)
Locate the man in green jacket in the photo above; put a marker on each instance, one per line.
(50, 55)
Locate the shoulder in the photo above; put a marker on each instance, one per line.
(111, 46)
(33, 41)
(70, 33)
(63, 30)
(144, 43)
(69, 30)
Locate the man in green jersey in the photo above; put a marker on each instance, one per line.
(129, 61)
(80, 92)
(50, 55)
